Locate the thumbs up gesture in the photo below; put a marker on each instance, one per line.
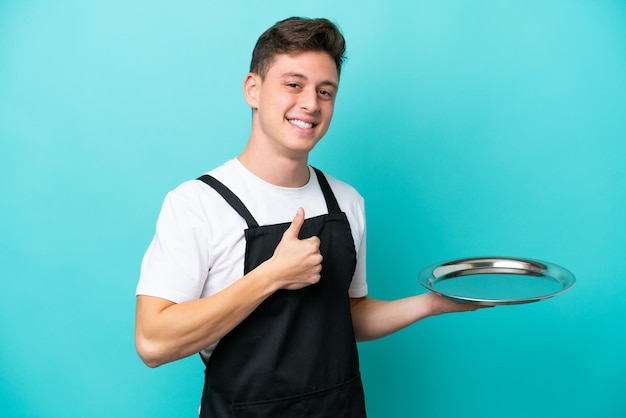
(296, 263)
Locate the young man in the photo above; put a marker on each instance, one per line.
(260, 264)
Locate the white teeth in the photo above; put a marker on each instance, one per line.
(300, 124)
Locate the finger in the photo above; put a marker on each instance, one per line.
(315, 244)
(296, 224)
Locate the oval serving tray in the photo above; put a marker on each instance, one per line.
(491, 281)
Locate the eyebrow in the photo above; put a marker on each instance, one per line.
(303, 77)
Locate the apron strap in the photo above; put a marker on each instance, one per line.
(237, 204)
(331, 201)
(231, 199)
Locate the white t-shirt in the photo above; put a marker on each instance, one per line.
(199, 245)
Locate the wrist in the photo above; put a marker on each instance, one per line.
(263, 275)
(435, 303)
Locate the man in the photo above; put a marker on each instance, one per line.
(260, 264)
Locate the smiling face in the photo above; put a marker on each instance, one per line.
(293, 105)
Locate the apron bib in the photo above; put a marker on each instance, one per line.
(296, 354)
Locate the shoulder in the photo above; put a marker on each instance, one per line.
(340, 186)
(344, 192)
(351, 202)
(194, 199)
(196, 190)
(192, 195)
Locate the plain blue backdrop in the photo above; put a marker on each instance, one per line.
(471, 128)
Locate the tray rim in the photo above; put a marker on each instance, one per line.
(554, 271)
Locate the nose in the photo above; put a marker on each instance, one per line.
(308, 100)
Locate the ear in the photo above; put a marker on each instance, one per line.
(251, 86)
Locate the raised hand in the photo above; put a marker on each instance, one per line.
(296, 263)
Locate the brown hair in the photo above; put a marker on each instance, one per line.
(294, 35)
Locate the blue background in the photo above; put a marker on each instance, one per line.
(471, 128)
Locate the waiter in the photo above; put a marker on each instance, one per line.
(259, 264)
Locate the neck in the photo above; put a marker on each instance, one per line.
(279, 171)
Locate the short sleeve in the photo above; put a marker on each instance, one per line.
(177, 260)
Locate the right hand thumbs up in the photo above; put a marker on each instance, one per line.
(294, 229)
(296, 263)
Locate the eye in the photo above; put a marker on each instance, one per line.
(293, 85)
(326, 93)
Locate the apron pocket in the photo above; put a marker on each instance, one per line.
(343, 400)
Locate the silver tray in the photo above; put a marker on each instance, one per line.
(491, 281)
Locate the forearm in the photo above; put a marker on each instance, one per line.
(373, 318)
(166, 331)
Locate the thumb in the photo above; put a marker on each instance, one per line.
(296, 224)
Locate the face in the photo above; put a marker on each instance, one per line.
(294, 104)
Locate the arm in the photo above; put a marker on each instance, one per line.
(373, 318)
(166, 331)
